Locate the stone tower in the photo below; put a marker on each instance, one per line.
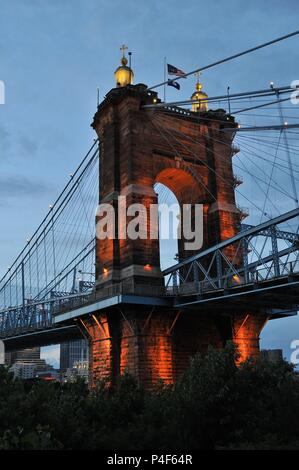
(190, 154)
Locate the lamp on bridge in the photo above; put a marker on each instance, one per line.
(123, 75)
(198, 96)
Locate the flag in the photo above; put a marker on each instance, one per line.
(174, 84)
(175, 71)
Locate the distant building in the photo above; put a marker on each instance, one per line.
(80, 369)
(272, 355)
(71, 352)
(23, 370)
(27, 364)
(23, 355)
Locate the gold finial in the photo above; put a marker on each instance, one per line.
(198, 85)
(123, 74)
(199, 97)
(123, 60)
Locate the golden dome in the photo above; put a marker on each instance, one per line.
(197, 96)
(123, 74)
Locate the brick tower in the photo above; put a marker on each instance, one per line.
(155, 341)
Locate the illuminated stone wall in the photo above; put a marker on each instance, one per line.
(192, 156)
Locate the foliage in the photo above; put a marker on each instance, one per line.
(214, 405)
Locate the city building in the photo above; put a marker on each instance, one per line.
(79, 369)
(71, 352)
(27, 364)
(23, 370)
(22, 355)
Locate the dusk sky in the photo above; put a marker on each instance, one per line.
(55, 53)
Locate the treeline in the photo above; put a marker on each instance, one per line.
(215, 405)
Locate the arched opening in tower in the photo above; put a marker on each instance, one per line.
(169, 211)
(178, 186)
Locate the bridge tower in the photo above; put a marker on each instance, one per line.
(190, 154)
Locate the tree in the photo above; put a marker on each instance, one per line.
(215, 404)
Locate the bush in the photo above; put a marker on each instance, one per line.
(215, 405)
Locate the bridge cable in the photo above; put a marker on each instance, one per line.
(237, 190)
(55, 204)
(288, 154)
(214, 171)
(221, 157)
(234, 56)
(221, 177)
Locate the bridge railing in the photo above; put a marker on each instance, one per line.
(190, 287)
(24, 319)
(257, 254)
(40, 314)
(122, 288)
(274, 255)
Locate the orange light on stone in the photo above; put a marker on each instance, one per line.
(160, 358)
(237, 279)
(157, 354)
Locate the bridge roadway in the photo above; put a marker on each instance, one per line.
(280, 297)
(209, 282)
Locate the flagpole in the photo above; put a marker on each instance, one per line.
(98, 96)
(164, 79)
(228, 100)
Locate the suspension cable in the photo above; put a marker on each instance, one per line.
(234, 56)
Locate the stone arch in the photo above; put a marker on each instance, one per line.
(188, 187)
(183, 180)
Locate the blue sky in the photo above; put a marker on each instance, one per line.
(53, 55)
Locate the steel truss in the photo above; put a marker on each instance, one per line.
(225, 268)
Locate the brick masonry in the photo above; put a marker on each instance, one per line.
(192, 156)
(156, 345)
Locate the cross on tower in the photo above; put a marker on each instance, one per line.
(123, 48)
(197, 75)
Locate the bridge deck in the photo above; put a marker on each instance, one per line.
(209, 281)
(49, 336)
(111, 302)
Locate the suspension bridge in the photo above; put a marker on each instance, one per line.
(65, 282)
